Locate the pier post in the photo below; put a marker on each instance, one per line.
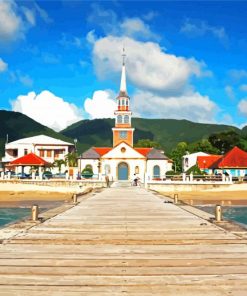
(35, 212)
(175, 198)
(218, 213)
(74, 198)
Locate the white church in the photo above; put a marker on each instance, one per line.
(123, 160)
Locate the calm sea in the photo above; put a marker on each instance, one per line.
(9, 215)
(235, 213)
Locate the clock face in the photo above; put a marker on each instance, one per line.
(123, 134)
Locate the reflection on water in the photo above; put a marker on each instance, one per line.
(238, 214)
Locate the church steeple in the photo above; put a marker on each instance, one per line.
(123, 88)
(123, 132)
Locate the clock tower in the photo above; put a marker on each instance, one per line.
(123, 132)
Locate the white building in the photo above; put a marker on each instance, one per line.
(122, 161)
(189, 160)
(47, 148)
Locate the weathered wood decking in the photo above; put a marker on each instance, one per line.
(124, 241)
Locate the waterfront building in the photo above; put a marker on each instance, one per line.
(47, 148)
(189, 160)
(123, 161)
(233, 163)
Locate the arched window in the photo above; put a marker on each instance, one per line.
(123, 103)
(107, 169)
(127, 102)
(119, 119)
(156, 171)
(126, 118)
(119, 102)
(137, 170)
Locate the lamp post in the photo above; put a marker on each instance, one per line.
(75, 142)
(99, 167)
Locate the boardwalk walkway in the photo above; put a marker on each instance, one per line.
(124, 241)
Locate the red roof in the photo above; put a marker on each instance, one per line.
(235, 158)
(206, 161)
(29, 159)
(102, 150)
(143, 151)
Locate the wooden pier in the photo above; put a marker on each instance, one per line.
(124, 241)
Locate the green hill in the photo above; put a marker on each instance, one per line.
(168, 132)
(17, 125)
(97, 132)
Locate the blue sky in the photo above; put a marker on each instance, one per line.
(60, 61)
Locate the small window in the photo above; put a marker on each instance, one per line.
(137, 170)
(119, 102)
(156, 171)
(41, 153)
(15, 152)
(48, 153)
(123, 103)
(119, 119)
(25, 151)
(127, 102)
(126, 118)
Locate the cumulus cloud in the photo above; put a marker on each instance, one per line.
(135, 27)
(230, 93)
(11, 24)
(242, 106)
(148, 68)
(3, 66)
(200, 28)
(48, 109)
(101, 105)
(192, 106)
(15, 19)
(237, 74)
(243, 87)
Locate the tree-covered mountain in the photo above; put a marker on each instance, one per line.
(17, 125)
(167, 132)
(97, 132)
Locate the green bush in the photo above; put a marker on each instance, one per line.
(195, 171)
(87, 172)
(172, 173)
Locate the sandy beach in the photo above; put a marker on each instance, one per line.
(235, 194)
(16, 192)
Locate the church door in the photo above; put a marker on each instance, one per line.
(123, 171)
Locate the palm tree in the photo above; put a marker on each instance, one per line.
(71, 159)
(58, 163)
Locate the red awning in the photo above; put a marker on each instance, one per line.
(29, 160)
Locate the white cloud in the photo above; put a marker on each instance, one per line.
(242, 106)
(243, 87)
(43, 14)
(30, 15)
(11, 24)
(135, 27)
(148, 67)
(91, 38)
(101, 105)
(150, 15)
(3, 66)
(200, 28)
(230, 93)
(192, 106)
(48, 109)
(237, 74)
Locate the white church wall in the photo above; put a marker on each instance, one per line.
(162, 163)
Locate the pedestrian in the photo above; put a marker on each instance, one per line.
(107, 181)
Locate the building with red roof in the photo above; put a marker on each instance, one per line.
(234, 162)
(123, 160)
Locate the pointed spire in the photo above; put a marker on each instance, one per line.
(123, 88)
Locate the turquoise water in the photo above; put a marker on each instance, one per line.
(9, 215)
(235, 213)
